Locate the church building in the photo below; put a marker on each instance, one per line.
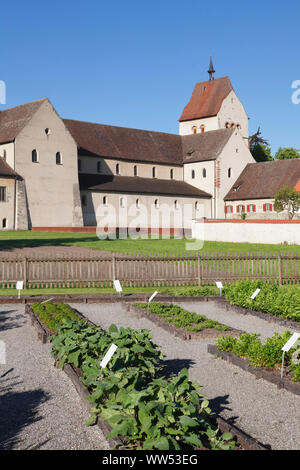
(58, 173)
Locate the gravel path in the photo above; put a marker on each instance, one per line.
(39, 407)
(270, 415)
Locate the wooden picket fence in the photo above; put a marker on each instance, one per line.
(153, 270)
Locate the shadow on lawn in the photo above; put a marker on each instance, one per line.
(9, 245)
(17, 410)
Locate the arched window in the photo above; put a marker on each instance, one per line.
(197, 206)
(229, 172)
(156, 204)
(47, 131)
(227, 125)
(239, 127)
(104, 200)
(34, 156)
(154, 172)
(4, 223)
(202, 128)
(135, 170)
(98, 167)
(194, 128)
(204, 173)
(117, 169)
(122, 202)
(176, 205)
(58, 158)
(137, 203)
(193, 174)
(171, 174)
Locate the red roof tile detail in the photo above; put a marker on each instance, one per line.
(207, 99)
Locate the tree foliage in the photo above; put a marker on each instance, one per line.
(287, 153)
(287, 199)
(259, 147)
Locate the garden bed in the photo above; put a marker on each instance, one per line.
(243, 441)
(183, 332)
(248, 361)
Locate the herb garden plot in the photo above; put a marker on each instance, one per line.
(183, 323)
(141, 408)
(264, 360)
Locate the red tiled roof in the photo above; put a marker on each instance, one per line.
(207, 99)
(137, 185)
(13, 120)
(263, 180)
(124, 143)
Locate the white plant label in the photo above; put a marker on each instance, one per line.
(108, 356)
(152, 297)
(291, 342)
(118, 286)
(219, 285)
(253, 296)
(20, 285)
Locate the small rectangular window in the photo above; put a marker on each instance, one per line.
(2, 193)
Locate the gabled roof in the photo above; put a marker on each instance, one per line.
(137, 185)
(263, 180)
(206, 146)
(6, 170)
(126, 144)
(207, 99)
(13, 120)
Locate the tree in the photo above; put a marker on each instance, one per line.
(287, 153)
(259, 147)
(287, 199)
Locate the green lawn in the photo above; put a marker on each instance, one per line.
(22, 239)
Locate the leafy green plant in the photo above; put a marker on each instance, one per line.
(147, 410)
(267, 354)
(273, 299)
(181, 318)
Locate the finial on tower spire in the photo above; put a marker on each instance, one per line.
(211, 70)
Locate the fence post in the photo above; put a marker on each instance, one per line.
(114, 267)
(199, 270)
(25, 272)
(280, 269)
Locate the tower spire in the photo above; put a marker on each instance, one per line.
(211, 70)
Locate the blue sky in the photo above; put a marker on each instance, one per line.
(135, 63)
